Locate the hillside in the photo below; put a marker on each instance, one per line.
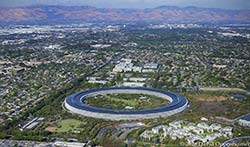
(87, 13)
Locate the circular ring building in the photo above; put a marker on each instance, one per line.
(75, 104)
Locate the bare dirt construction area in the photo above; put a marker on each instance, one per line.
(207, 97)
(216, 104)
(219, 108)
(51, 129)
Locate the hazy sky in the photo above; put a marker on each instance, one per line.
(228, 4)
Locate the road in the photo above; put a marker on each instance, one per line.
(222, 89)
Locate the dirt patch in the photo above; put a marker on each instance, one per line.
(207, 97)
(205, 106)
(218, 108)
(211, 98)
(50, 129)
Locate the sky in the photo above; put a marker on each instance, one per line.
(226, 4)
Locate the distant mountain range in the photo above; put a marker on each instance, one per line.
(93, 14)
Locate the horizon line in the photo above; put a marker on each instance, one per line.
(191, 6)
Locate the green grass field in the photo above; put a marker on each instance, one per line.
(68, 125)
(121, 101)
(131, 102)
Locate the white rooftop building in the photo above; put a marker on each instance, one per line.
(194, 138)
(203, 125)
(151, 65)
(96, 80)
(212, 137)
(198, 130)
(215, 127)
(133, 84)
(147, 134)
(126, 60)
(69, 144)
(192, 132)
(138, 79)
(157, 129)
(137, 69)
(189, 127)
(123, 67)
(175, 124)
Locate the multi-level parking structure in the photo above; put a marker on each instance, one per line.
(75, 104)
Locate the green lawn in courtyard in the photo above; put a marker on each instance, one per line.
(69, 125)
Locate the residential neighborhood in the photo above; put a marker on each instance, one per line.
(192, 79)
